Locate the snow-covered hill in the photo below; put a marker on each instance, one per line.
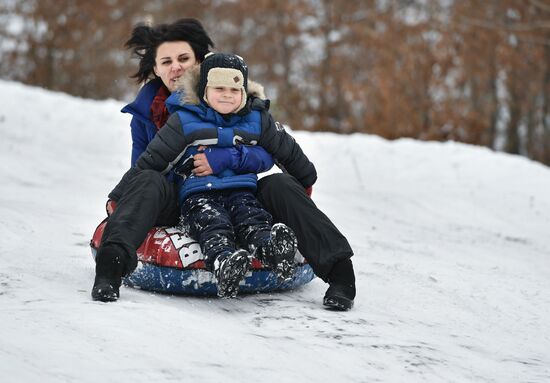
(452, 253)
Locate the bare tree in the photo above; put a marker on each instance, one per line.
(471, 71)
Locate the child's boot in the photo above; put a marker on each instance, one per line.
(279, 251)
(229, 271)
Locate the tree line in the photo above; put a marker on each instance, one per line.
(472, 71)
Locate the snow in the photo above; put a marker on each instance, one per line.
(451, 253)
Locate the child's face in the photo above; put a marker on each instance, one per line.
(224, 100)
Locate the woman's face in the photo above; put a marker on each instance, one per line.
(172, 60)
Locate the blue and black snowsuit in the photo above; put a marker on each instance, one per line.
(221, 209)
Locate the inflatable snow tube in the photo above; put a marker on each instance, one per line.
(170, 261)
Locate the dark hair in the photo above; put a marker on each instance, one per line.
(146, 39)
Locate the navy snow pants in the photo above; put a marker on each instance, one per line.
(223, 220)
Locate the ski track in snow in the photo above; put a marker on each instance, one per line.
(451, 255)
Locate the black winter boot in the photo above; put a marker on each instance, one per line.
(109, 269)
(341, 292)
(279, 251)
(229, 271)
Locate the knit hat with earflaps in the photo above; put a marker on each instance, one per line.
(223, 69)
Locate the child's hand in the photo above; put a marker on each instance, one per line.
(202, 167)
(213, 160)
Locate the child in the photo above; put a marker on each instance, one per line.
(221, 209)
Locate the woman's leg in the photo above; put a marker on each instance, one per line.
(319, 241)
(149, 200)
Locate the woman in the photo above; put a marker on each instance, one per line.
(166, 51)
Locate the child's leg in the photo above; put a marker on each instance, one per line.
(274, 245)
(251, 221)
(209, 222)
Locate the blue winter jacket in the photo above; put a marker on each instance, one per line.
(143, 129)
(249, 158)
(210, 128)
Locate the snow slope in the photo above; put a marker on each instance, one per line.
(451, 248)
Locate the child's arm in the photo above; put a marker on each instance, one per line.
(253, 159)
(241, 158)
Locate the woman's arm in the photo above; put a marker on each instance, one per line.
(164, 150)
(139, 143)
(139, 139)
(285, 150)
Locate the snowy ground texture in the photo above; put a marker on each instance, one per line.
(452, 254)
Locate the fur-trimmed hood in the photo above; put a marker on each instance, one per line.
(186, 86)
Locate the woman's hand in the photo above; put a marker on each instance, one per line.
(110, 207)
(202, 167)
